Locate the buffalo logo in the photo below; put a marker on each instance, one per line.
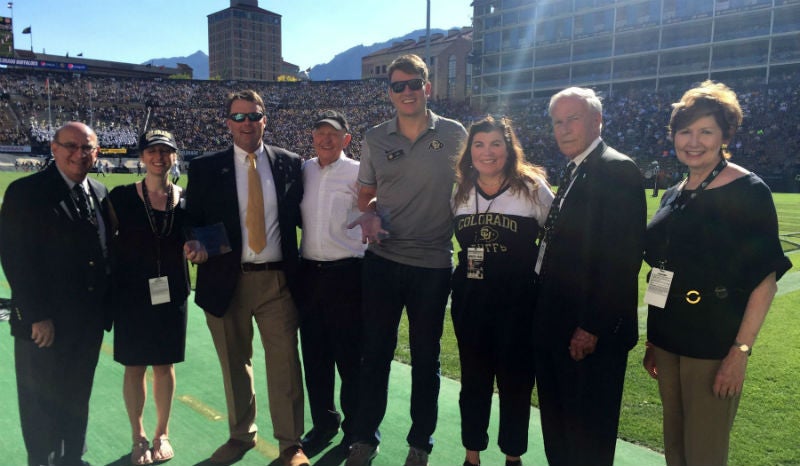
(488, 234)
(436, 145)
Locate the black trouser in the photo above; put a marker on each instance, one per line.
(330, 331)
(390, 287)
(579, 404)
(492, 322)
(53, 387)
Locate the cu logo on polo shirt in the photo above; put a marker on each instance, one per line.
(436, 145)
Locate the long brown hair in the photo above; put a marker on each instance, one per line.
(518, 172)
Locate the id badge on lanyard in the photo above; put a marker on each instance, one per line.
(159, 290)
(658, 287)
(475, 263)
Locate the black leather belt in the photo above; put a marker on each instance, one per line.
(695, 296)
(332, 264)
(261, 266)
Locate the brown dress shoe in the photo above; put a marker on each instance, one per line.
(231, 451)
(294, 456)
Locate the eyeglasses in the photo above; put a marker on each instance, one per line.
(72, 147)
(240, 117)
(413, 84)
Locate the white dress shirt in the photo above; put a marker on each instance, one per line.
(330, 203)
(272, 253)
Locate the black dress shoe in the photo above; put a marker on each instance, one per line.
(317, 439)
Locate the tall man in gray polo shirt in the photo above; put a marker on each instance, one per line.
(406, 177)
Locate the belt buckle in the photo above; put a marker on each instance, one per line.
(693, 297)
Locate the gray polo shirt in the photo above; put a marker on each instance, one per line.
(414, 181)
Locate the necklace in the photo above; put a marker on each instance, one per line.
(169, 215)
(492, 185)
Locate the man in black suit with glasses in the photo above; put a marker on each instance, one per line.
(53, 232)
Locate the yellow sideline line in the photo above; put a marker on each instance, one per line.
(204, 410)
(264, 447)
(107, 349)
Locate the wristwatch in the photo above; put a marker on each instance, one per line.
(744, 348)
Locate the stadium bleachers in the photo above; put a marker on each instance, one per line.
(635, 119)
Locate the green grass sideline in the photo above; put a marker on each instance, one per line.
(768, 424)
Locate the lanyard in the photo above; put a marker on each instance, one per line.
(478, 194)
(166, 225)
(680, 200)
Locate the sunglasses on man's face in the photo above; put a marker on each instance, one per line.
(413, 84)
(240, 117)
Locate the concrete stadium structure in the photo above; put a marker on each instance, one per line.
(530, 48)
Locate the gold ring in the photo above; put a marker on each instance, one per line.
(692, 296)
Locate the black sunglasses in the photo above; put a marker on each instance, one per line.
(413, 84)
(240, 117)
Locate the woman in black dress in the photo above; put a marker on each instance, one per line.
(716, 257)
(151, 285)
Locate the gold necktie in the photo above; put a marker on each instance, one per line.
(254, 221)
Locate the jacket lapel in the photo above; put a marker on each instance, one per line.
(278, 165)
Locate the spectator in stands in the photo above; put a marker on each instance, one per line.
(406, 177)
(175, 172)
(714, 248)
(254, 191)
(151, 284)
(496, 191)
(55, 224)
(330, 271)
(192, 108)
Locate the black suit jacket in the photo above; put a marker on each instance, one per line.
(592, 262)
(211, 198)
(54, 261)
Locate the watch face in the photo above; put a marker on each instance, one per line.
(744, 348)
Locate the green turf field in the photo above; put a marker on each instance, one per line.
(765, 433)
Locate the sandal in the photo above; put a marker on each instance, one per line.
(162, 449)
(140, 453)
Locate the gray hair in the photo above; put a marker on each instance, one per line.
(585, 94)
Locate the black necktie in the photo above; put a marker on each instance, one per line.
(555, 207)
(83, 205)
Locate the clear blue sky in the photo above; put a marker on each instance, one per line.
(314, 31)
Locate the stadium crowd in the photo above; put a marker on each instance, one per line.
(33, 103)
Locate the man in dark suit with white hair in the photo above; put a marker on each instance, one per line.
(586, 312)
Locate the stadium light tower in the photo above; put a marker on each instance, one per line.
(428, 34)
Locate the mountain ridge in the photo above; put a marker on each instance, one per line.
(344, 65)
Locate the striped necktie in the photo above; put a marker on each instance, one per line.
(83, 205)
